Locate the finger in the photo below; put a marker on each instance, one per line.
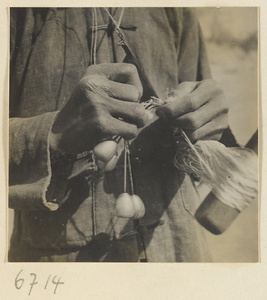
(125, 130)
(183, 89)
(121, 91)
(210, 131)
(110, 126)
(102, 86)
(119, 72)
(203, 115)
(203, 92)
(103, 105)
(130, 112)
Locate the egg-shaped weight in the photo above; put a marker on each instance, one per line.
(107, 166)
(104, 151)
(139, 207)
(111, 164)
(101, 164)
(124, 206)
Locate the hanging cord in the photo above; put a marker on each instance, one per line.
(94, 36)
(93, 61)
(125, 168)
(130, 168)
(137, 225)
(64, 62)
(95, 42)
(93, 193)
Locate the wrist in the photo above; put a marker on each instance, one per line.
(56, 152)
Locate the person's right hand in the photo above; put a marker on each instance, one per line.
(103, 104)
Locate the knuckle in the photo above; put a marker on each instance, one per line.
(133, 131)
(140, 90)
(190, 103)
(83, 83)
(102, 123)
(92, 87)
(193, 135)
(225, 109)
(87, 83)
(210, 82)
(91, 69)
(134, 94)
(213, 84)
(217, 136)
(222, 104)
(222, 122)
(214, 137)
(225, 104)
(141, 115)
(169, 111)
(184, 84)
(193, 123)
(220, 94)
(139, 110)
(130, 132)
(130, 68)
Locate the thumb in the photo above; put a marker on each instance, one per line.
(176, 100)
(182, 90)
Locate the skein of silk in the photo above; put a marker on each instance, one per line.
(231, 173)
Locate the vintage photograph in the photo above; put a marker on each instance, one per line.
(133, 134)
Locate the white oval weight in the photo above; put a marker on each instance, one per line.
(108, 166)
(124, 206)
(101, 164)
(104, 151)
(139, 207)
(111, 164)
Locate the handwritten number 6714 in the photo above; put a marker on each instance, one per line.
(20, 281)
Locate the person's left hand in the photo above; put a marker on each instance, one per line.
(199, 108)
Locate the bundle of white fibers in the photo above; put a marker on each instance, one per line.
(231, 173)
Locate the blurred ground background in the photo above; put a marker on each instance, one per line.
(231, 38)
(231, 41)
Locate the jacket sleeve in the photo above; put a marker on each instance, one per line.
(33, 184)
(30, 165)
